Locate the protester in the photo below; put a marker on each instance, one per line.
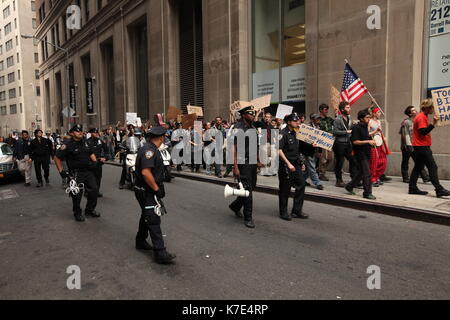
(378, 158)
(362, 145)
(406, 132)
(311, 153)
(41, 151)
(22, 154)
(325, 156)
(342, 130)
(422, 143)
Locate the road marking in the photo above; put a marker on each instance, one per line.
(8, 194)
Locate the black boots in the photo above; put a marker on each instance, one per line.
(143, 245)
(164, 257)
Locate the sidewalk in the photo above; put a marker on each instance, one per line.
(392, 198)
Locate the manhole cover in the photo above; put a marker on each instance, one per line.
(8, 194)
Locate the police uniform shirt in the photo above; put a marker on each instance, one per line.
(98, 147)
(149, 157)
(76, 153)
(289, 144)
(243, 125)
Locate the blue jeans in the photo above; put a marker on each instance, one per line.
(311, 171)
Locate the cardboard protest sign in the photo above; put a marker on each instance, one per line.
(131, 118)
(238, 105)
(441, 98)
(138, 122)
(179, 118)
(173, 113)
(315, 136)
(283, 111)
(261, 102)
(188, 121)
(195, 110)
(335, 99)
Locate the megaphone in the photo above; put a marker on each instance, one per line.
(232, 192)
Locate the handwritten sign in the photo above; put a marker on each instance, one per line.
(441, 98)
(195, 110)
(310, 135)
(261, 102)
(132, 118)
(238, 105)
(173, 113)
(335, 99)
(283, 111)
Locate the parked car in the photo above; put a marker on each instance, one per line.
(8, 168)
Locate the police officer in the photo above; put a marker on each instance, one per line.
(149, 191)
(100, 150)
(291, 170)
(80, 160)
(243, 168)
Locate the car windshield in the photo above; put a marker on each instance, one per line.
(6, 150)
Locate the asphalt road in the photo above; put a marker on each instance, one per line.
(325, 257)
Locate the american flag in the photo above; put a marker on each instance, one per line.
(353, 88)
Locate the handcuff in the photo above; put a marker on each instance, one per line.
(74, 188)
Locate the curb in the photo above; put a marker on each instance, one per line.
(357, 204)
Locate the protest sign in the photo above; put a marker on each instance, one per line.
(238, 105)
(188, 121)
(283, 111)
(261, 102)
(195, 110)
(131, 118)
(335, 99)
(173, 113)
(310, 135)
(441, 98)
(138, 122)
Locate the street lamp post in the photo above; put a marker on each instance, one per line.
(66, 52)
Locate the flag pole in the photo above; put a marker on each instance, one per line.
(371, 96)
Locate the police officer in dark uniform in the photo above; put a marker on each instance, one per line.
(149, 191)
(80, 160)
(246, 172)
(291, 170)
(100, 150)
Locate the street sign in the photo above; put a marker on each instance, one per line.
(68, 112)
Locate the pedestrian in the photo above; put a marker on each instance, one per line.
(325, 156)
(243, 168)
(422, 143)
(80, 159)
(406, 132)
(100, 150)
(362, 145)
(342, 130)
(22, 154)
(41, 151)
(149, 192)
(291, 169)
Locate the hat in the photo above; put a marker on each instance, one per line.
(291, 117)
(77, 128)
(156, 132)
(315, 116)
(94, 130)
(246, 109)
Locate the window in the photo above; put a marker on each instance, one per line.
(3, 96)
(10, 61)
(33, 6)
(9, 45)
(34, 23)
(11, 77)
(18, 74)
(2, 66)
(20, 91)
(13, 109)
(36, 58)
(3, 110)
(15, 23)
(8, 29)
(36, 73)
(12, 93)
(1, 49)
(38, 91)
(2, 80)
(6, 12)
(21, 108)
(18, 58)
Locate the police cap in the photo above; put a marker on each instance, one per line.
(291, 117)
(156, 132)
(77, 128)
(94, 130)
(247, 109)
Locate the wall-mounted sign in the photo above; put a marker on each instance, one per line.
(89, 96)
(439, 62)
(294, 83)
(267, 83)
(440, 17)
(73, 99)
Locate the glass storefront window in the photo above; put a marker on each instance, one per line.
(279, 51)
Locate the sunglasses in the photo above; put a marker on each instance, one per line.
(252, 113)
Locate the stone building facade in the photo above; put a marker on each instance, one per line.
(146, 55)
